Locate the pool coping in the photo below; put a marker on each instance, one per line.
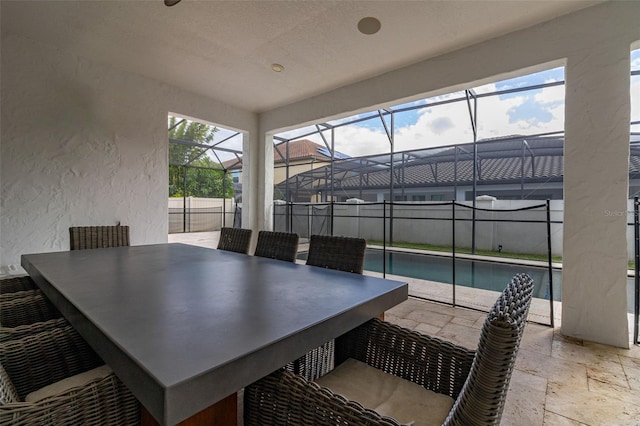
(509, 260)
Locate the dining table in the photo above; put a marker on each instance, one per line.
(186, 327)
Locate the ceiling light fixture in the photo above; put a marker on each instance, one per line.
(369, 25)
(277, 67)
(170, 3)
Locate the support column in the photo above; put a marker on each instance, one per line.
(249, 181)
(596, 160)
(257, 183)
(265, 185)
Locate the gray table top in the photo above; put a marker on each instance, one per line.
(185, 326)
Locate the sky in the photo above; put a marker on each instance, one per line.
(529, 112)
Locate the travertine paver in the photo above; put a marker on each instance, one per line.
(557, 380)
(525, 402)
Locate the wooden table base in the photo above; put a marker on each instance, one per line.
(222, 413)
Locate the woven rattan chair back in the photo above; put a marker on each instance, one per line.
(4, 297)
(484, 393)
(32, 308)
(16, 284)
(340, 253)
(277, 245)
(235, 239)
(93, 237)
(41, 359)
(13, 333)
(20, 359)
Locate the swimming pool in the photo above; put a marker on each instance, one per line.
(469, 273)
(479, 274)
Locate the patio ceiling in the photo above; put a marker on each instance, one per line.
(225, 49)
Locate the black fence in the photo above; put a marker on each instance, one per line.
(448, 242)
(195, 219)
(203, 219)
(636, 278)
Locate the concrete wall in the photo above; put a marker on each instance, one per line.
(431, 224)
(85, 144)
(424, 224)
(517, 232)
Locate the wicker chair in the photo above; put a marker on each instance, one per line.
(13, 333)
(4, 297)
(341, 253)
(15, 284)
(27, 310)
(92, 237)
(277, 245)
(39, 360)
(476, 381)
(235, 239)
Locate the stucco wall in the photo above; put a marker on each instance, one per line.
(85, 144)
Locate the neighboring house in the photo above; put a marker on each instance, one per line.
(515, 167)
(304, 155)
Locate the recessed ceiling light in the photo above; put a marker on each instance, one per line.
(369, 25)
(277, 67)
(171, 2)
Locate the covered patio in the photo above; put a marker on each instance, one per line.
(87, 88)
(558, 380)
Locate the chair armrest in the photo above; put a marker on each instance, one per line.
(13, 284)
(12, 333)
(40, 359)
(102, 401)
(435, 364)
(5, 297)
(27, 310)
(285, 398)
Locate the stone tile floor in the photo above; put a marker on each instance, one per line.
(557, 380)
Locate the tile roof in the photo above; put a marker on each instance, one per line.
(500, 161)
(302, 149)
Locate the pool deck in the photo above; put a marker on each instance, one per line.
(557, 380)
(467, 256)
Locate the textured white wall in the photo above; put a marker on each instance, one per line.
(595, 45)
(85, 144)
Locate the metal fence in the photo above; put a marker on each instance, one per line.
(462, 245)
(193, 214)
(636, 278)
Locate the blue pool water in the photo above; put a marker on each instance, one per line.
(469, 273)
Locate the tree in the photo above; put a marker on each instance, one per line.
(204, 177)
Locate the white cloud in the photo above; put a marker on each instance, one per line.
(539, 111)
(635, 98)
(437, 126)
(550, 94)
(450, 124)
(635, 59)
(296, 133)
(357, 140)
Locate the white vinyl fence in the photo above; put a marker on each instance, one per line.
(200, 214)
